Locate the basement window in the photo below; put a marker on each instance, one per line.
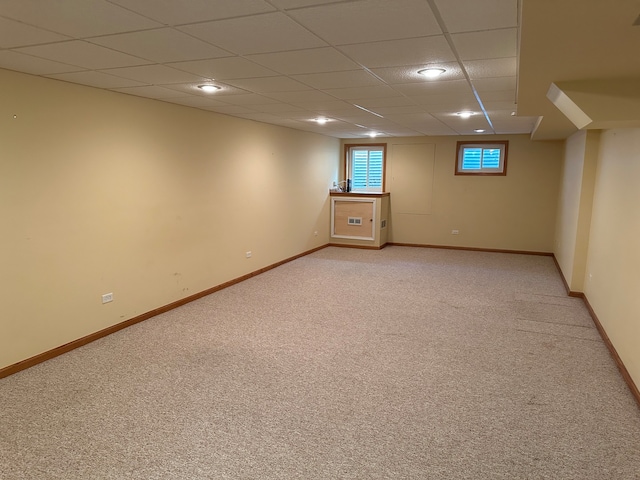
(482, 158)
(365, 166)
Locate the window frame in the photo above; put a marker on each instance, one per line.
(348, 165)
(503, 145)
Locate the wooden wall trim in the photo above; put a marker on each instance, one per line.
(362, 247)
(570, 292)
(603, 334)
(67, 347)
(614, 353)
(472, 249)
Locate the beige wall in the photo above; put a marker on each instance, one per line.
(574, 205)
(102, 192)
(514, 212)
(612, 280)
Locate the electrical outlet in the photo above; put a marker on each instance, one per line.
(248, 254)
(107, 297)
(315, 234)
(455, 232)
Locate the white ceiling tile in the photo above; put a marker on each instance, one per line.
(393, 110)
(409, 73)
(76, 18)
(161, 45)
(155, 74)
(463, 125)
(410, 51)
(191, 88)
(376, 91)
(228, 109)
(224, 68)
(249, 99)
(195, 101)
(261, 117)
(497, 67)
(427, 87)
(279, 109)
(476, 15)
(403, 132)
(455, 102)
(361, 118)
(326, 59)
(352, 78)
(82, 54)
(288, 4)
(380, 105)
(95, 79)
(498, 96)
(149, 91)
(437, 128)
(416, 117)
(37, 66)
(330, 108)
(369, 20)
(16, 34)
(335, 53)
(177, 12)
(302, 97)
(301, 115)
(505, 123)
(493, 84)
(269, 84)
(487, 44)
(498, 105)
(506, 115)
(270, 32)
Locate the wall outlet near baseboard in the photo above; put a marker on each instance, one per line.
(107, 297)
(455, 232)
(248, 254)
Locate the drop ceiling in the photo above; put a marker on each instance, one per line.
(287, 62)
(578, 65)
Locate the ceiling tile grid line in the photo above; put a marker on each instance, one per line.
(302, 55)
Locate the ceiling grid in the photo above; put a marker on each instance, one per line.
(286, 62)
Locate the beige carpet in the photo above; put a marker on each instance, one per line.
(404, 363)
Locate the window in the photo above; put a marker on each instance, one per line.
(482, 158)
(365, 166)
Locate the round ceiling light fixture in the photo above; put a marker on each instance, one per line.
(464, 114)
(479, 130)
(209, 88)
(373, 134)
(431, 72)
(321, 120)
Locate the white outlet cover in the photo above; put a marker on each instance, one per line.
(107, 297)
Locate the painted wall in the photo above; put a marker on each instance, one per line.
(512, 212)
(612, 279)
(103, 192)
(575, 204)
(569, 203)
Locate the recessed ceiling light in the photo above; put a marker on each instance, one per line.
(479, 130)
(373, 134)
(464, 114)
(321, 120)
(209, 88)
(431, 72)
